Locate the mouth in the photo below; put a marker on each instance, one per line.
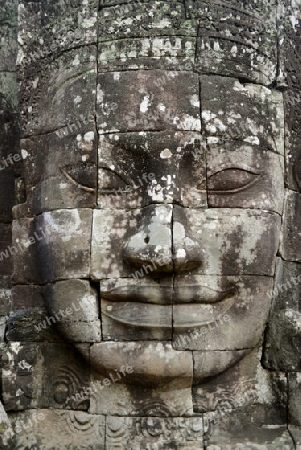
(161, 307)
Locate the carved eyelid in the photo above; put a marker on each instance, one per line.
(108, 169)
(244, 186)
(228, 166)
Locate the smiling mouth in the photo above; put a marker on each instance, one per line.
(159, 307)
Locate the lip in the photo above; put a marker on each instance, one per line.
(191, 306)
(165, 294)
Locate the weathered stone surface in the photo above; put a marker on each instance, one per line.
(65, 252)
(59, 26)
(151, 35)
(228, 38)
(43, 375)
(136, 321)
(126, 240)
(24, 251)
(248, 436)
(289, 78)
(294, 399)
(230, 241)
(130, 433)
(31, 325)
(220, 313)
(73, 307)
(282, 343)
(241, 175)
(244, 390)
(63, 375)
(57, 93)
(208, 363)
(144, 19)
(124, 399)
(153, 362)
(5, 249)
(7, 433)
(70, 177)
(291, 242)
(9, 31)
(21, 379)
(165, 167)
(5, 295)
(50, 429)
(25, 297)
(232, 110)
(148, 100)
(168, 259)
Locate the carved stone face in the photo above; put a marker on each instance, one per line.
(185, 230)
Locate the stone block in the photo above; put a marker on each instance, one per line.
(229, 241)
(24, 251)
(294, 399)
(56, 179)
(9, 31)
(291, 243)
(228, 38)
(293, 153)
(51, 429)
(5, 295)
(65, 251)
(153, 363)
(126, 399)
(220, 313)
(27, 297)
(130, 433)
(144, 19)
(125, 240)
(43, 375)
(55, 93)
(53, 28)
(148, 101)
(6, 250)
(251, 113)
(166, 52)
(154, 157)
(21, 376)
(30, 325)
(242, 391)
(136, 321)
(241, 175)
(282, 343)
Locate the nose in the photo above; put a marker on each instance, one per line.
(161, 244)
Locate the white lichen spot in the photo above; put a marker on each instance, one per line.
(145, 104)
(24, 153)
(76, 61)
(252, 140)
(181, 253)
(79, 137)
(100, 95)
(78, 99)
(195, 101)
(116, 76)
(89, 136)
(165, 154)
(161, 107)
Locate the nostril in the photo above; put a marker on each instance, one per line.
(146, 240)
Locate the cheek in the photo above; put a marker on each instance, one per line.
(233, 241)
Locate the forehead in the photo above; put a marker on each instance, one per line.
(168, 100)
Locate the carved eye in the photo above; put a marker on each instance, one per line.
(110, 181)
(229, 181)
